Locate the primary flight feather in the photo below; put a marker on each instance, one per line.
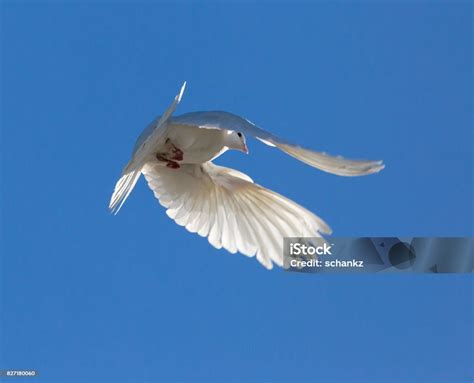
(175, 155)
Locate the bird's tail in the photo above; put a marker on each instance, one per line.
(123, 188)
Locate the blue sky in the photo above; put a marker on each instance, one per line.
(90, 297)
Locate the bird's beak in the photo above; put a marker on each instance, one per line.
(245, 149)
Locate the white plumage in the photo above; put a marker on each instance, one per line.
(224, 205)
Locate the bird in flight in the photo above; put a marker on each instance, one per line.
(175, 155)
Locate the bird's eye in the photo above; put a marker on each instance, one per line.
(239, 134)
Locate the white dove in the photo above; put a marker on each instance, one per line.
(175, 155)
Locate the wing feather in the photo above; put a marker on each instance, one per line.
(234, 213)
(148, 139)
(331, 164)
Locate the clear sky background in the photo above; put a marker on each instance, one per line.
(89, 297)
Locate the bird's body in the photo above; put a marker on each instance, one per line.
(175, 155)
(198, 146)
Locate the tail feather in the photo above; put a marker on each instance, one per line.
(122, 190)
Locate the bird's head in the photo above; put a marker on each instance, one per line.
(236, 140)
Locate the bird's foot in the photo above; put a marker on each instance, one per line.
(172, 165)
(174, 153)
(169, 163)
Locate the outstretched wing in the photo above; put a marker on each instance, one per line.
(234, 213)
(331, 164)
(155, 131)
(148, 139)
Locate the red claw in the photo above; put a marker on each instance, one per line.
(176, 154)
(172, 165)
